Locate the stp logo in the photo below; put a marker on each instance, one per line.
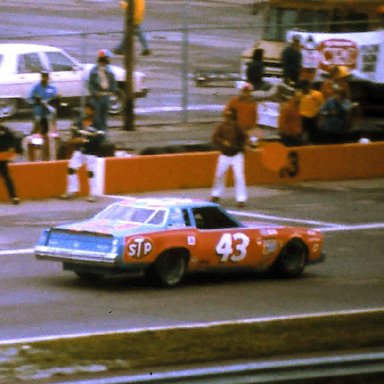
(139, 247)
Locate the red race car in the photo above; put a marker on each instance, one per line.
(168, 237)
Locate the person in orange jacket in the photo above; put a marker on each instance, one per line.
(290, 122)
(138, 18)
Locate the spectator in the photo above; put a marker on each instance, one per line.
(291, 60)
(255, 71)
(310, 104)
(310, 59)
(230, 139)
(338, 75)
(87, 139)
(43, 96)
(102, 85)
(335, 116)
(290, 122)
(245, 108)
(138, 17)
(7, 149)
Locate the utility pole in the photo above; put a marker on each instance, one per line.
(129, 58)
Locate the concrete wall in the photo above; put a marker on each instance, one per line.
(40, 180)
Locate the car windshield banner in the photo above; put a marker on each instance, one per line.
(361, 52)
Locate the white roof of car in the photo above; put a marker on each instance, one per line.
(25, 48)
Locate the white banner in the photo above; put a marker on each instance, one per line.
(361, 52)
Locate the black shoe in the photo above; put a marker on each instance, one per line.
(15, 201)
(146, 52)
(215, 199)
(240, 204)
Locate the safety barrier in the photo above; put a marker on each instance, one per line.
(41, 180)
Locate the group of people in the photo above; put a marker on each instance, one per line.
(312, 116)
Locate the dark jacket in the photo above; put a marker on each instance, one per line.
(94, 137)
(291, 61)
(7, 139)
(229, 138)
(94, 81)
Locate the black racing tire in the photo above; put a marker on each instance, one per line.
(169, 269)
(89, 276)
(291, 260)
(117, 102)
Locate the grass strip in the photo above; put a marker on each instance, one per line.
(180, 346)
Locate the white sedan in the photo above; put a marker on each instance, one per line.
(20, 67)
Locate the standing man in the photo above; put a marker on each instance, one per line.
(138, 17)
(87, 139)
(101, 84)
(7, 149)
(291, 60)
(310, 103)
(40, 96)
(245, 107)
(230, 140)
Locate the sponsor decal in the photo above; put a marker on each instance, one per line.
(337, 52)
(139, 247)
(191, 240)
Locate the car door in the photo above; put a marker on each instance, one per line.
(222, 243)
(66, 74)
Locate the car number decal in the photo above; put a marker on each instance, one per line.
(232, 247)
(139, 247)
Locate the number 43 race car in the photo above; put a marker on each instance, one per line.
(165, 238)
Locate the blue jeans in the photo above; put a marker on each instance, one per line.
(140, 34)
(101, 104)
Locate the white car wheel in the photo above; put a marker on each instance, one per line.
(117, 102)
(8, 107)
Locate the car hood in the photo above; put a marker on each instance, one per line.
(108, 227)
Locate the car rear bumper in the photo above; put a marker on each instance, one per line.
(78, 256)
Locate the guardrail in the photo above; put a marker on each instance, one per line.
(275, 371)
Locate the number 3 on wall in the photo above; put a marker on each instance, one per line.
(232, 247)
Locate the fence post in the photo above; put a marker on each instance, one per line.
(185, 63)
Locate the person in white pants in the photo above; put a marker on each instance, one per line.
(88, 139)
(231, 140)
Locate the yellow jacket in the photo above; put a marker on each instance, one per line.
(139, 10)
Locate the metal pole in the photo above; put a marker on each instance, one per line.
(185, 63)
(129, 57)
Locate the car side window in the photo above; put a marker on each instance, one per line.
(29, 63)
(212, 218)
(59, 62)
(179, 218)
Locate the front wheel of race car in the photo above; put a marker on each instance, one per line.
(291, 260)
(8, 107)
(169, 269)
(117, 102)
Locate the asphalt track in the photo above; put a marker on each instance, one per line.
(37, 299)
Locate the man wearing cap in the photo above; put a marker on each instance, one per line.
(231, 140)
(101, 84)
(40, 96)
(245, 106)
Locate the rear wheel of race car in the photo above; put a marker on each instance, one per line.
(89, 276)
(169, 269)
(117, 102)
(291, 260)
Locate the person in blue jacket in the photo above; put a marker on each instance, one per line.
(101, 85)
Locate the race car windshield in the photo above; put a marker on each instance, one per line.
(131, 214)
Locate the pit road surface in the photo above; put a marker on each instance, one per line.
(38, 299)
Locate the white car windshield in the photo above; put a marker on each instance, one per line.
(142, 215)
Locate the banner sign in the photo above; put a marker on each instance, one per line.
(361, 52)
